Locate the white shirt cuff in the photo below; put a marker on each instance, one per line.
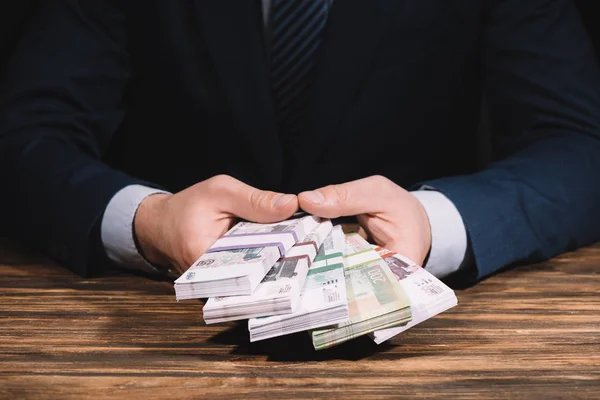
(117, 228)
(448, 233)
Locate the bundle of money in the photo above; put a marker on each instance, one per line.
(375, 298)
(323, 299)
(334, 286)
(279, 291)
(428, 295)
(240, 259)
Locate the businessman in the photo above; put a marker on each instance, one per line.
(134, 133)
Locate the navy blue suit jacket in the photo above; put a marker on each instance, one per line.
(104, 94)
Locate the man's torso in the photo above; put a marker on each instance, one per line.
(397, 90)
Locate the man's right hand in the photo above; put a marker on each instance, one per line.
(175, 230)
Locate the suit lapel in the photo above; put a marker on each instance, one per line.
(354, 30)
(234, 36)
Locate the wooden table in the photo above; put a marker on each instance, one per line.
(531, 332)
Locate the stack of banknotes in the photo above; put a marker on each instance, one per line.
(375, 298)
(428, 295)
(323, 300)
(237, 262)
(279, 291)
(305, 274)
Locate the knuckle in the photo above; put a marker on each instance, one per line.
(223, 179)
(385, 186)
(220, 183)
(258, 199)
(340, 194)
(380, 180)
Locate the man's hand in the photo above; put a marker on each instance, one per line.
(390, 215)
(174, 230)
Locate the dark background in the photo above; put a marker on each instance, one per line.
(14, 15)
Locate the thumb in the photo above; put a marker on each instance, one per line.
(362, 196)
(244, 201)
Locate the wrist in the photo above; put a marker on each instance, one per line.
(148, 228)
(447, 231)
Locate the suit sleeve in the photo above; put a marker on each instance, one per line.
(542, 197)
(61, 100)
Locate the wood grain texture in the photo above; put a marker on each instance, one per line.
(530, 332)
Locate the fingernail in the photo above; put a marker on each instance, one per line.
(282, 199)
(315, 197)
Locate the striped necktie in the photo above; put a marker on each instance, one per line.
(296, 27)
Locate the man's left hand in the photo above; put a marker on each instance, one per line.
(391, 216)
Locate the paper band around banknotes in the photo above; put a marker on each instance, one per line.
(362, 257)
(282, 240)
(300, 257)
(308, 243)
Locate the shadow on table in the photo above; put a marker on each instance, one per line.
(157, 333)
(295, 347)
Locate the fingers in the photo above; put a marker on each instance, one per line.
(249, 203)
(367, 195)
(386, 234)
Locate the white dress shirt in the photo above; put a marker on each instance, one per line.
(448, 233)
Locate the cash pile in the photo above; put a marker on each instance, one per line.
(305, 274)
(323, 299)
(375, 299)
(237, 262)
(279, 291)
(428, 296)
